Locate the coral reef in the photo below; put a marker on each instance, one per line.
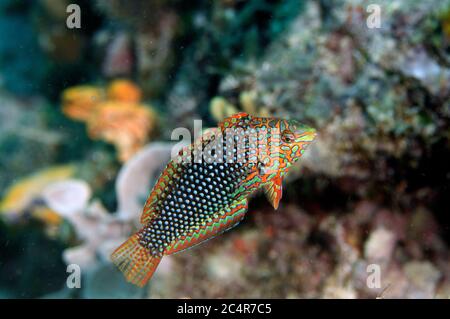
(86, 116)
(304, 255)
(387, 64)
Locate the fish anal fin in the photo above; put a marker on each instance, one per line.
(135, 261)
(273, 190)
(229, 219)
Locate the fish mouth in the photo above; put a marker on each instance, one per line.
(306, 135)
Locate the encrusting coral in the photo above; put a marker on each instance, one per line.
(114, 115)
(124, 91)
(21, 194)
(127, 126)
(79, 101)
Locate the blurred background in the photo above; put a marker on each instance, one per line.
(86, 116)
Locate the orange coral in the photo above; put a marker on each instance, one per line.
(125, 125)
(116, 117)
(124, 91)
(80, 101)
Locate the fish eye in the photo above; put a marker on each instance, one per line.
(287, 136)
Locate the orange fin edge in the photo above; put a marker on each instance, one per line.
(232, 120)
(273, 190)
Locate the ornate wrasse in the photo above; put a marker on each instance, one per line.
(204, 190)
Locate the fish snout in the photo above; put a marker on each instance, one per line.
(305, 134)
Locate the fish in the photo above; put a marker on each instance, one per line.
(204, 190)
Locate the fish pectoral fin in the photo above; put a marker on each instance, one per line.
(273, 190)
(229, 218)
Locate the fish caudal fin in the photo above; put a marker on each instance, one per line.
(135, 261)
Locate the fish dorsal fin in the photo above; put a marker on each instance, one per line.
(171, 171)
(273, 190)
(234, 120)
(148, 212)
(226, 219)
